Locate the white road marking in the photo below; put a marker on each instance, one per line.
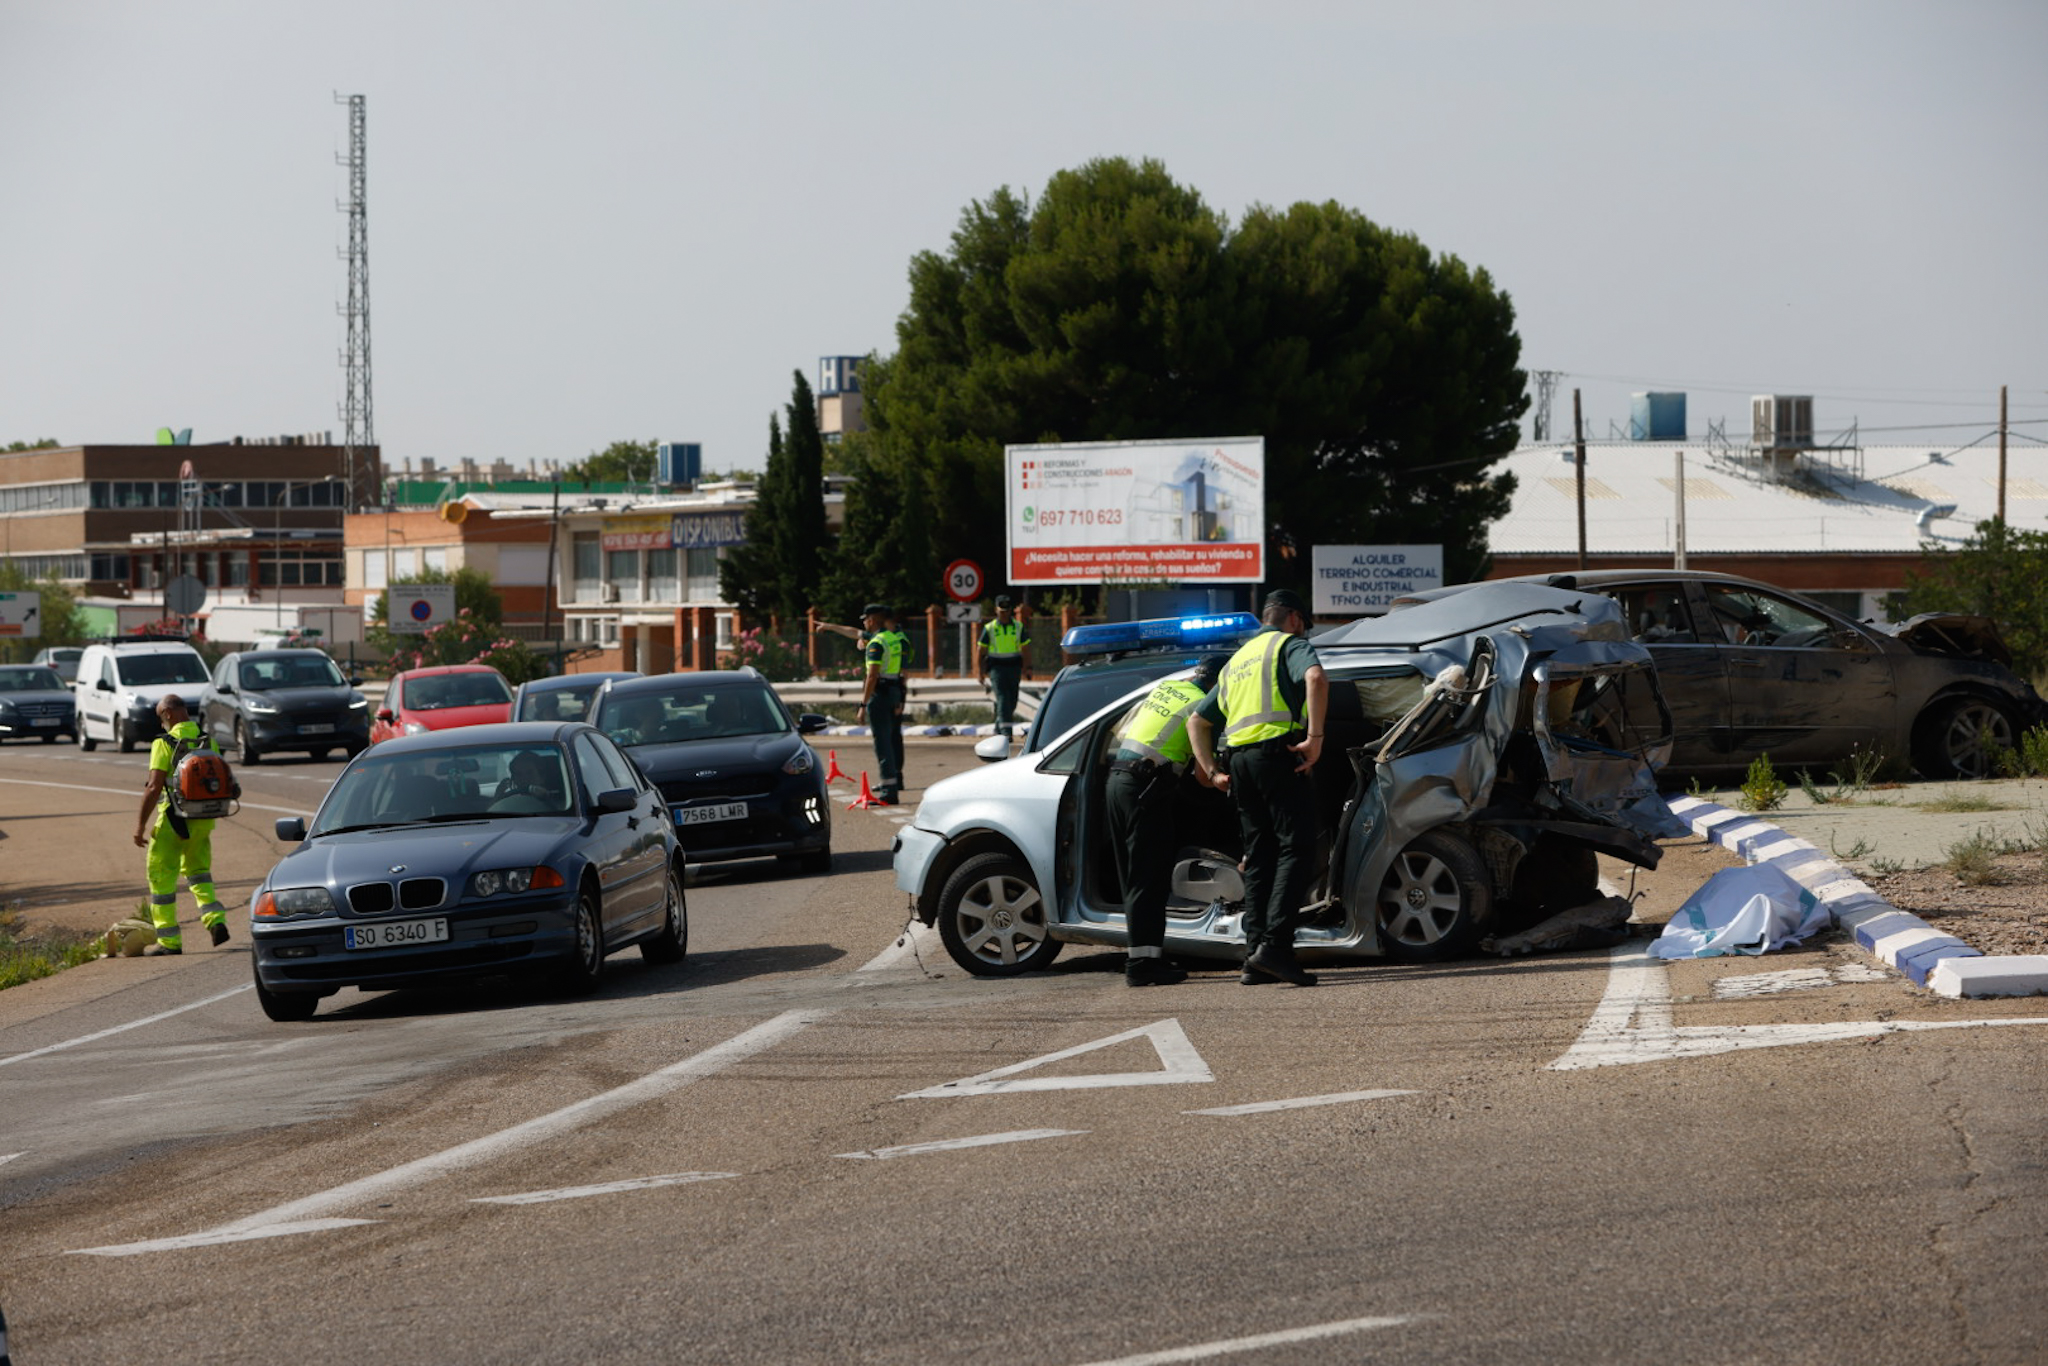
(132, 1024)
(1632, 1023)
(638, 1183)
(978, 1141)
(302, 1214)
(220, 1235)
(137, 792)
(1770, 983)
(1178, 1061)
(9, 1157)
(1203, 1351)
(917, 937)
(1261, 1107)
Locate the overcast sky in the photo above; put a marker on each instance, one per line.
(609, 221)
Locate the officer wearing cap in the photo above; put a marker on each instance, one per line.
(1145, 779)
(884, 695)
(999, 658)
(1269, 706)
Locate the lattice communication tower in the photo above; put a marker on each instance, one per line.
(358, 424)
(1546, 385)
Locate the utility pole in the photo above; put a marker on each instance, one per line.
(1678, 548)
(2001, 455)
(547, 602)
(1579, 461)
(358, 427)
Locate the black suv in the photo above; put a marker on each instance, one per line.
(261, 701)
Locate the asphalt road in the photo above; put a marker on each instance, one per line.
(805, 1145)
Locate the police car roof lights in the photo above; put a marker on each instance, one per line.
(1215, 628)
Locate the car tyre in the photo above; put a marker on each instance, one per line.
(320, 755)
(49, 739)
(1955, 737)
(286, 1007)
(1435, 900)
(245, 746)
(86, 742)
(123, 741)
(585, 969)
(992, 919)
(817, 861)
(672, 943)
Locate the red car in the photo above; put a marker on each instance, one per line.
(442, 699)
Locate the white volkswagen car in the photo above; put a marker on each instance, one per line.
(1481, 750)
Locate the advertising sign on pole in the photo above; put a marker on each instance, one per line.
(417, 608)
(1183, 512)
(1364, 580)
(21, 616)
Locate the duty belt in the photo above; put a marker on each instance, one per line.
(1277, 742)
(1144, 768)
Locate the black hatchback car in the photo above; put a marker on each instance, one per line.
(730, 760)
(264, 701)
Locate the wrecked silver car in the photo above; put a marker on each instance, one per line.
(1481, 752)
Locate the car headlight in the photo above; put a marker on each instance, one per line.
(803, 761)
(414, 728)
(360, 704)
(291, 902)
(513, 881)
(259, 706)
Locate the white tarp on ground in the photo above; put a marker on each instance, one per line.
(1742, 910)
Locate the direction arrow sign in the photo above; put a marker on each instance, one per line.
(21, 616)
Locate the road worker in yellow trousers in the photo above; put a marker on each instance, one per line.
(172, 853)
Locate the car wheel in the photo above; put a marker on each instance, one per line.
(585, 968)
(992, 919)
(49, 739)
(1435, 900)
(1956, 737)
(320, 755)
(250, 754)
(123, 741)
(286, 1006)
(86, 742)
(672, 945)
(817, 861)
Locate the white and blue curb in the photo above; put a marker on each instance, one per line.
(1940, 962)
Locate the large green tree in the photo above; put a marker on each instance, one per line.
(620, 462)
(1121, 307)
(780, 571)
(2000, 572)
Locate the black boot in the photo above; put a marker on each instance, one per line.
(1275, 961)
(1151, 972)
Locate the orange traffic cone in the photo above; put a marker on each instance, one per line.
(866, 799)
(833, 773)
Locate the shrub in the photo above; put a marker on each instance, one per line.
(1762, 790)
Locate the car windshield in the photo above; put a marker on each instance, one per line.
(300, 671)
(693, 711)
(570, 703)
(475, 782)
(28, 679)
(142, 671)
(437, 692)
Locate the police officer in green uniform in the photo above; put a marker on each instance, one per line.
(884, 694)
(1152, 760)
(999, 659)
(1269, 706)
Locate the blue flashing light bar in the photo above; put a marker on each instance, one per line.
(1160, 633)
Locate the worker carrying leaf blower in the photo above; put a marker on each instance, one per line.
(189, 787)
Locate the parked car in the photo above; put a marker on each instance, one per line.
(265, 701)
(1750, 669)
(60, 659)
(566, 697)
(1480, 752)
(442, 698)
(119, 684)
(35, 704)
(731, 762)
(453, 853)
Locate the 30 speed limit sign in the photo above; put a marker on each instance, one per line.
(963, 581)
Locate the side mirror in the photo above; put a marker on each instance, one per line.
(355, 680)
(618, 799)
(992, 750)
(104, 686)
(225, 690)
(384, 714)
(811, 723)
(291, 829)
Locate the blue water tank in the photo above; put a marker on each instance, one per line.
(679, 462)
(1656, 417)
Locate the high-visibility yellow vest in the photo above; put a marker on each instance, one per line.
(1158, 730)
(1249, 692)
(889, 649)
(1004, 639)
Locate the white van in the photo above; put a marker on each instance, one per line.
(120, 683)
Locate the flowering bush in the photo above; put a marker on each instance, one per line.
(464, 639)
(780, 661)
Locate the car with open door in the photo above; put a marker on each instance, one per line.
(1481, 752)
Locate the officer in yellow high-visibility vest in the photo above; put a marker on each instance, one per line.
(1145, 780)
(176, 845)
(884, 694)
(1269, 706)
(999, 661)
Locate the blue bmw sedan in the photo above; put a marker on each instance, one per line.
(482, 850)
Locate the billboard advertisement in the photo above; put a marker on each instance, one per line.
(1186, 512)
(1364, 580)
